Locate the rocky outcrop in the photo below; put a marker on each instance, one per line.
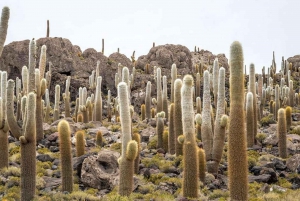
(101, 171)
(67, 60)
(207, 58)
(295, 60)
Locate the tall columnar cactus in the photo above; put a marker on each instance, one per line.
(174, 77)
(171, 136)
(215, 80)
(40, 91)
(237, 154)
(220, 126)
(177, 115)
(206, 127)
(202, 164)
(66, 97)
(3, 27)
(24, 80)
(109, 114)
(136, 137)
(288, 113)
(277, 101)
(143, 111)
(49, 75)
(48, 107)
(99, 139)
(198, 120)
(65, 155)
(253, 90)
(190, 158)
(148, 100)
(98, 100)
(3, 123)
(32, 64)
(84, 109)
(198, 85)
(198, 105)
(165, 96)
(291, 94)
(80, 143)
(159, 106)
(129, 147)
(56, 105)
(160, 129)
(249, 120)
(281, 133)
(28, 158)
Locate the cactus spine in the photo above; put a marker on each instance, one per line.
(160, 129)
(40, 91)
(99, 139)
(177, 115)
(32, 64)
(56, 105)
(281, 133)
(129, 147)
(220, 125)
(171, 136)
(202, 164)
(3, 123)
(80, 143)
(174, 77)
(3, 27)
(143, 111)
(190, 158)
(215, 80)
(249, 120)
(136, 137)
(159, 106)
(237, 155)
(165, 96)
(28, 158)
(66, 97)
(65, 155)
(253, 90)
(288, 113)
(148, 100)
(98, 100)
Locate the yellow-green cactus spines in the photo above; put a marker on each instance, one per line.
(250, 120)
(80, 143)
(137, 138)
(202, 164)
(177, 115)
(237, 154)
(171, 136)
(99, 139)
(288, 114)
(65, 155)
(281, 132)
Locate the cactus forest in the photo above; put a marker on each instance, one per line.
(192, 126)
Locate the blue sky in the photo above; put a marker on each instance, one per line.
(261, 26)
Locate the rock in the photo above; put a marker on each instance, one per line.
(101, 171)
(53, 137)
(265, 188)
(295, 182)
(44, 158)
(77, 162)
(52, 182)
(146, 133)
(256, 170)
(278, 188)
(273, 176)
(293, 163)
(260, 178)
(295, 60)
(271, 140)
(278, 164)
(93, 131)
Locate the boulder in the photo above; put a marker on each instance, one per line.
(101, 171)
(293, 163)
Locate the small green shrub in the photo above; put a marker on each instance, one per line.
(267, 120)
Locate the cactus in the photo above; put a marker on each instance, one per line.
(98, 101)
(172, 137)
(165, 97)
(271, 107)
(220, 125)
(160, 129)
(291, 94)
(166, 140)
(237, 154)
(3, 27)
(249, 120)
(3, 122)
(48, 29)
(198, 120)
(28, 158)
(202, 164)
(40, 91)
(66, 97)
(76, 109)
(99, 139)
(206, 126)
(49, 75)
(174, 77)
(198, 105)
(177, 115)
(143, 111)
(80, 143)
(153, 112)
(65, 155)
(102, 46)
(277, 101)
(148, 100)
(56, 105)
(198, 85)
(80, 118)
(215, 80)
(159, 106)
(32, 64)
(84, 110)
(136, 137)
(109, 115)
(190, 158)
(281, 132)
(129, 147)
(253, 90)
(288, 113)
